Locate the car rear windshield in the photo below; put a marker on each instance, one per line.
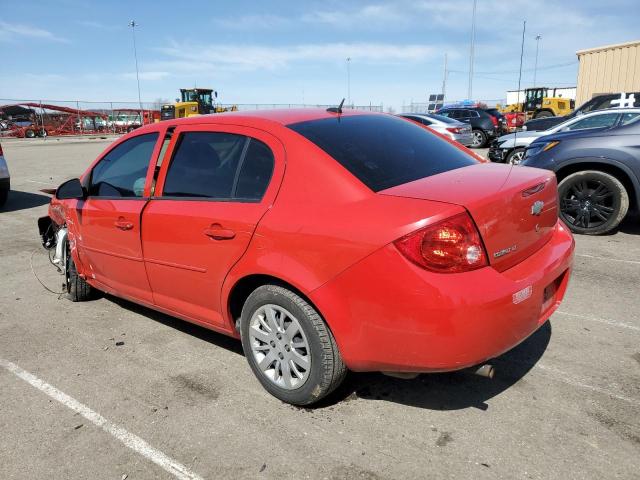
(383, 151)
(495, 112)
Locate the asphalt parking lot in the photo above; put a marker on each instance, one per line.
(564, 404)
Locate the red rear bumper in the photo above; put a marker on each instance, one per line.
(389, 315)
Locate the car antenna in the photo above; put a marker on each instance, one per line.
(337, 109)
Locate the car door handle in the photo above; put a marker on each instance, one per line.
(218, 233)
(123, 224)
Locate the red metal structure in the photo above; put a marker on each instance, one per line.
(124, 120)
(57, 120)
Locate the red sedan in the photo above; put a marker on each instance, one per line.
(324, 240)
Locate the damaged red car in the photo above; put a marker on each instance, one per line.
(324, 240)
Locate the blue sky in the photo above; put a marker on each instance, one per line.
(295, 51)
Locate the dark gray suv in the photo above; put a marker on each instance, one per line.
(598, 172)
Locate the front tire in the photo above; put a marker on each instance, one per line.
(592, 202)
(289, 347)
(479, 138)
(77, 287)
(515, 157)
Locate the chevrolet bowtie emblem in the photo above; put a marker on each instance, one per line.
(536, 208)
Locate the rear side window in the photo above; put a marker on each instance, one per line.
(122, 171)
(220, 166)
(383, 151)
(255, 171)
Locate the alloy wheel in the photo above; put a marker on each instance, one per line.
(279, 346)
(516, 158)
(478, 138)
(588, 204)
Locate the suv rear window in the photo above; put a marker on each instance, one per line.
(383, 151)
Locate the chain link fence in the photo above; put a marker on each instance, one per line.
(42, 117)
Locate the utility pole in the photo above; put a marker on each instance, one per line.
(349, 80)
(473, 41)
(535, 69)
(133, 26)
(444, 79)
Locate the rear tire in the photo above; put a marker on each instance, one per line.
(479, 138)
(77, 287)
(279, 330)
(29, 133)
(592, 202)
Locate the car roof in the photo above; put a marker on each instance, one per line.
(279, 116)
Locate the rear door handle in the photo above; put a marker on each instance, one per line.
(123, 224)
(218, 233)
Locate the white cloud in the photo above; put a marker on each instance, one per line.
(149, 76)
(252, 22)
(15, 31)
(388, 14)
(187, 57)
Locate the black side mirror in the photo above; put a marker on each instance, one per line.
(71, 189)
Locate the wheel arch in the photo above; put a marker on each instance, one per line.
(616, 169)
(243, 287)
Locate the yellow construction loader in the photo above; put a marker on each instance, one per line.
(194, 101)
(538, 104)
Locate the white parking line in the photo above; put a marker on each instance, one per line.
(132, 441)
(605, 321)
(608, 259)
(569, 379)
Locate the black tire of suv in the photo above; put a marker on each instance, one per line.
(327, 370)
(77, 287)
(484, 137)
(620, 200)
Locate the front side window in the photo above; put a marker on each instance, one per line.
(218, 165)
(595, 121)
(383, 151)
(629, 117)
(122, 171)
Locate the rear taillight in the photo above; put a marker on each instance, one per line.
(454, 129)
(450, 246)
(494, 120)
(1, 150)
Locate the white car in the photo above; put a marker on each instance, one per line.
(5, 179)
(455, 130)
(510, 148)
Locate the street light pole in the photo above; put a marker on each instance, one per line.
(349, 80)
(535, 68)
(133, 26)
(471, 53)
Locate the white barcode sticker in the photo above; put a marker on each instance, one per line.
(522, 295)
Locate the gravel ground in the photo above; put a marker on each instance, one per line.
(564, 404)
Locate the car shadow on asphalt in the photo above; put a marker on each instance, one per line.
(217, 339)
(447, 391)
(435, 391)
(23, 200)
(630, 225)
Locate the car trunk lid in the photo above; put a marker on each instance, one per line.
(514, 208)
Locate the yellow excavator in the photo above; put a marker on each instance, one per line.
(194, 101)
(538, 104)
